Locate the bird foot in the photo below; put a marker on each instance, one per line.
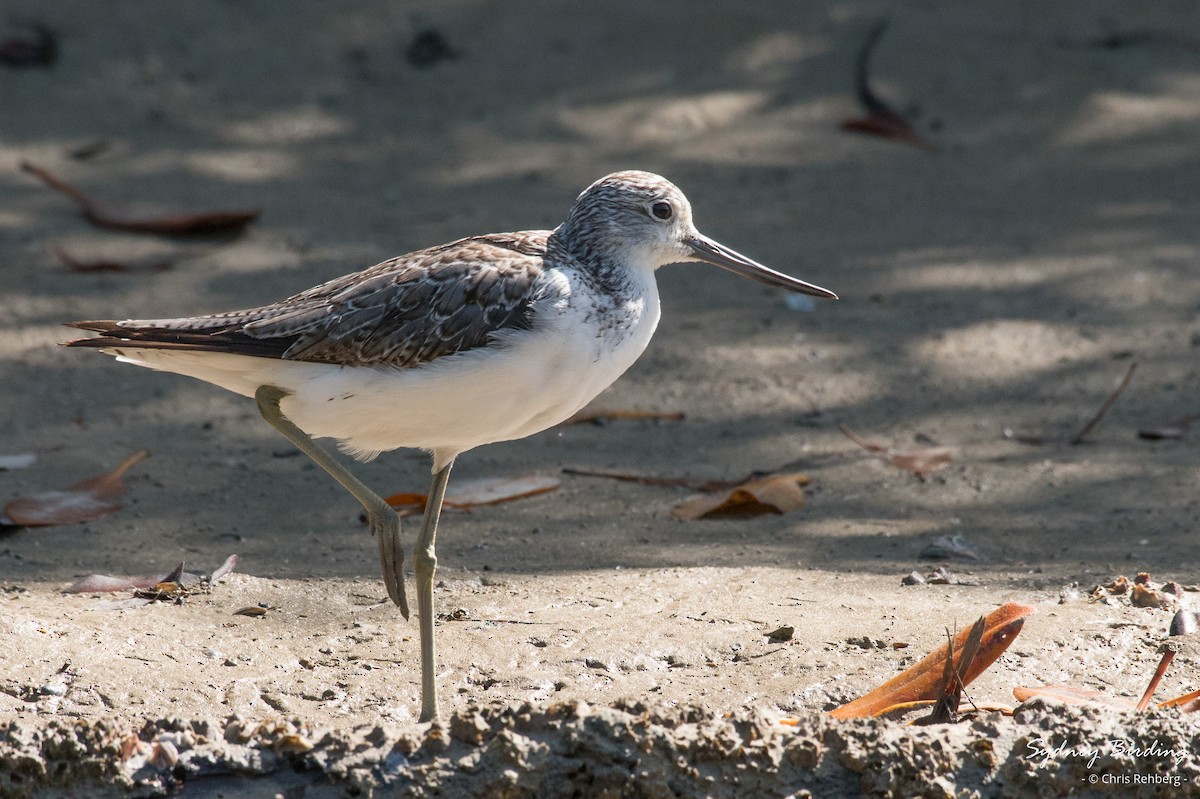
(391, 557)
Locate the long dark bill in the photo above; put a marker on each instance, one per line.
(711, 252)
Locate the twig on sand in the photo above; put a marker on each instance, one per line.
(1108, 403)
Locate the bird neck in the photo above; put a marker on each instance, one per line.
(611, 263)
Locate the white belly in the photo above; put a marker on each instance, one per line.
(529, 381)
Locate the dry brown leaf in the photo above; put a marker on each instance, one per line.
(107, 265)
(920, 460)
(480, 491)
(1073, 695)
(225, 568)
(199, 224)
(493, 490)
(406, 503)
(1188, 703)
(104, 584)
(82, 502)
(887, 124)
(775, 493)
(881, 119)
(1181, 636)
(923, 681)
(896, 712)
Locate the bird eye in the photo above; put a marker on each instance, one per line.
(662, 210)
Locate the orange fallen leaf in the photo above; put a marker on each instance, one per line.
(1188, 703)
(904, 708)
(924, 680)
(920, 461)
(198, 224)
(775, 493)
(480, 491)
(408, 502)
(1073, 695)
(82, 502)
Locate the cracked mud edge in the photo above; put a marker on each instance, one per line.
(625, 750)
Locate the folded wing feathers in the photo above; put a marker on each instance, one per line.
(401, 312)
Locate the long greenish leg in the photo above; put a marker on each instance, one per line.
(424, 565)
(384, 522)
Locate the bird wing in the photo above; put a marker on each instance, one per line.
(401, 312)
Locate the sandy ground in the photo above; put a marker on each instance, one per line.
(591, 642)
